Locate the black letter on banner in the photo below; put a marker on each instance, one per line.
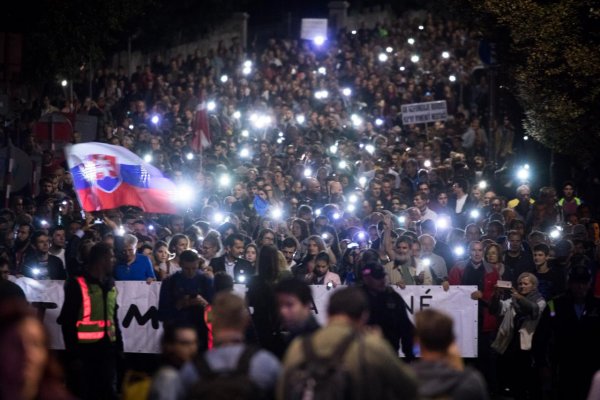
(134, 312)
(314, 307)
(411, 307)
(422, 302)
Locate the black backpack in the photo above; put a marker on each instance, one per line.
(226, 385)
(320, 378)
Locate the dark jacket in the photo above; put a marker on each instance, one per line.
(570, 343)
(439, 380)
(242, 268)
(485, 278)
(310, 326)
(460, 220)
(515, 266)
(177, 287)
(388, 310)
(52, 269)
(265, 316)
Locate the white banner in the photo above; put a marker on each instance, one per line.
(312, 28)
(138, 310)
(421, 113)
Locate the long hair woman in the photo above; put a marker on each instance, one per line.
(178, 244)
(162, 263)
(261, 298)
(314, 245)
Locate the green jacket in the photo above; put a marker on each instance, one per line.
(377, 372)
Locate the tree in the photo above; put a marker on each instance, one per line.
(62, 36)
(552, 54)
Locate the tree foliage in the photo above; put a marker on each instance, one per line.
(553, 58)
(61, 36)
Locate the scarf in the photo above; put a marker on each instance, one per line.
(405, 272)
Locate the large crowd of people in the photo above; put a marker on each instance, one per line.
(305, 176)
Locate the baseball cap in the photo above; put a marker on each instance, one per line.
(374, 270)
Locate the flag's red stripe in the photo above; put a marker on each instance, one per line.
(149, 200)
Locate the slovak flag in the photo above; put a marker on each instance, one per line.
(202, 137)
(107, 176)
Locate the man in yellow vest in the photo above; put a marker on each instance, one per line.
(90, 327)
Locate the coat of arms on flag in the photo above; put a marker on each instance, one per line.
(102, 170)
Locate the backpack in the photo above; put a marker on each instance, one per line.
(320, 378)
(136, 385)
(226, 385)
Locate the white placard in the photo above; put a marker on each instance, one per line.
(312, 28)
(421, 113)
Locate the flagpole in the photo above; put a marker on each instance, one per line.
(8, 179)
(66, 150)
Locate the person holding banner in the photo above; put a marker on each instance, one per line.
(90, 327)
(137, 267)
(185, 296)
(485, 277)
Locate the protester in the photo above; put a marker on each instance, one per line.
(231, 369)
(90, 328)
(185, 295)
(179, 345)
(321, 274)
(135, 267)
(261, 299)
(485, 277)
(177, 245)
(232, 262)
(28, 369)
(40, 264)
(163, 267)
(295, 303)
(550, 277)
(440, 370)
(251, 254)
(57, 247)
(343, 344)
(568, 331)
(520, 316)
(436, 264)
(387, 310)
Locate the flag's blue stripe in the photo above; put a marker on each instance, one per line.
(131, 174)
